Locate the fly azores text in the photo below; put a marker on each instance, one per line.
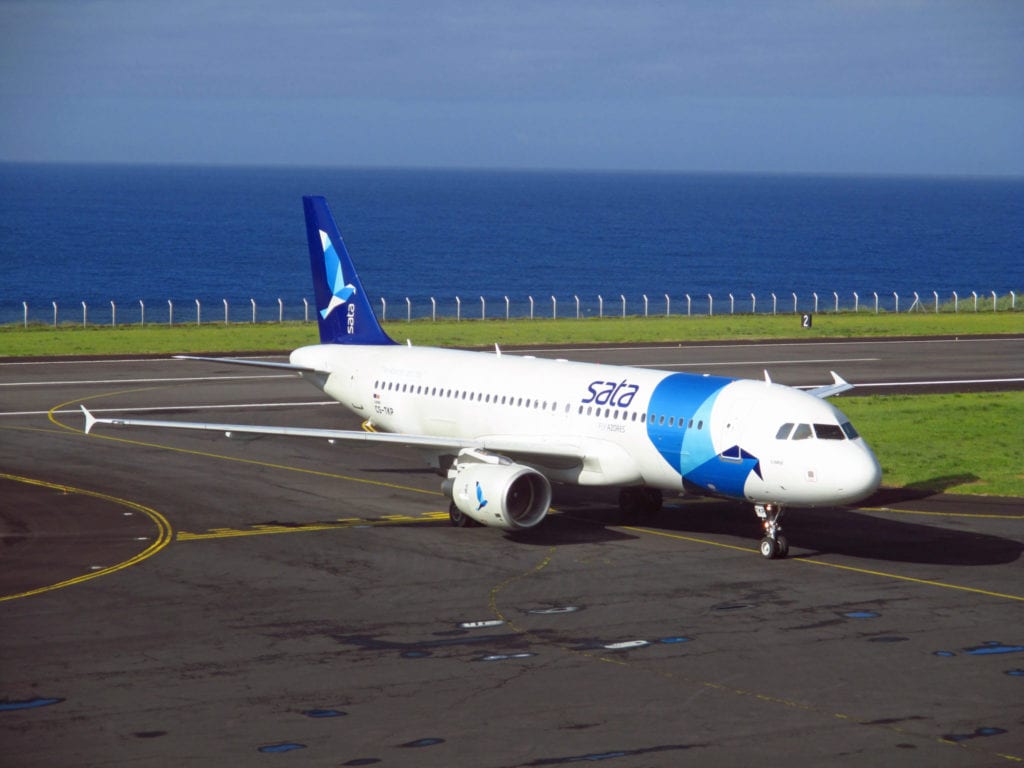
(616, 394)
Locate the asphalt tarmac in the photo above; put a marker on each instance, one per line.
(177, 598)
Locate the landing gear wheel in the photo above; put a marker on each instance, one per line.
(459, 518)
(774, 545)
(783, 545)
(635, 501)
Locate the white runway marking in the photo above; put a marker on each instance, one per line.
(165, 380)
(155, 408)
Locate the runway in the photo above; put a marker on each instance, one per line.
(186, 599)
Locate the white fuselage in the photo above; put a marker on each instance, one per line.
(624, 426)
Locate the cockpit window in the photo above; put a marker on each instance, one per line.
(828, 431)
(784, 430)
(851, 433)
(802, 432)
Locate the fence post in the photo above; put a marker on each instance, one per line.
(253, 302)
(794, 303)
(85, 311)
(668, 306)
(305, 309)
(645, 305)
(711, 305)
(198, 313)
(956, 303)
(433, 309)
(577, 306)
(732, 305)
(993, 301)
(280, 310)
(622, 296)
(554, 308)
(689, 305)
(876, 301)
(24, 307)
(408, 309)
(936, 295)
(483, 308)
(55, 314)
(975, 295)
(1013, 300)
(113, 315)
(225, 311)
(775, 304)
(753, 304)
(856, 302)
(531, 307)
(383, 309)
(508, 308)
(896, 296)
(458, 309)
(835, 295)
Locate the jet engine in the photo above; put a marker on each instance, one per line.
(495, 491)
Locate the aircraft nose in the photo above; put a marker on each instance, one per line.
(864, 474)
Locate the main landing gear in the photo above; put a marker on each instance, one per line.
(637, 500)
(774, 545)
(459, 518)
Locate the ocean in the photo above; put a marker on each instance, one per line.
(129, 234)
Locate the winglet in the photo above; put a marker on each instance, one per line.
(90, 420)
(839, 384)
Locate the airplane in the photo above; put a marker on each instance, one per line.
(501, 428)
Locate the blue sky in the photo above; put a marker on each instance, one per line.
(839, 86)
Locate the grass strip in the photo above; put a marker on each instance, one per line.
(17, 341)
(950, 443)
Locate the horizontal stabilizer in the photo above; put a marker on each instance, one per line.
(255, 363)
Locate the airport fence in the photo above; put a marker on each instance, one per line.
(197, 311)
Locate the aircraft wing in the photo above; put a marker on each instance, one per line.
(497, 444)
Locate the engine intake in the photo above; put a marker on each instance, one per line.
(495, 491)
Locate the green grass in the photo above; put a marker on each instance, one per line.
(16, 341)
(960, 443)
(950, 443)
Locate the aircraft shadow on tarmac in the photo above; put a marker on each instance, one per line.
(839, 531)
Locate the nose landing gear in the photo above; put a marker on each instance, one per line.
(774, 545)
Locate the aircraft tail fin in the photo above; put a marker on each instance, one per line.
(343, 308)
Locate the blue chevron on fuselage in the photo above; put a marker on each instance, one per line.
(679, 429)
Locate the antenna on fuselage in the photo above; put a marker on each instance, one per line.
(497, 349)
(767, 378)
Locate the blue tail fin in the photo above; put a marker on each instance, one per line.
(343, 309)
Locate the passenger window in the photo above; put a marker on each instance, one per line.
(851, 433)
(828, 431)
(784, 430)
(802, 432)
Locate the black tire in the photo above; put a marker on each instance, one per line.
(458, 518)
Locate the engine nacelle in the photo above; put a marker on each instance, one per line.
(494, 491)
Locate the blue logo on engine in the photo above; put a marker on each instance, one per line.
(481, 501)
